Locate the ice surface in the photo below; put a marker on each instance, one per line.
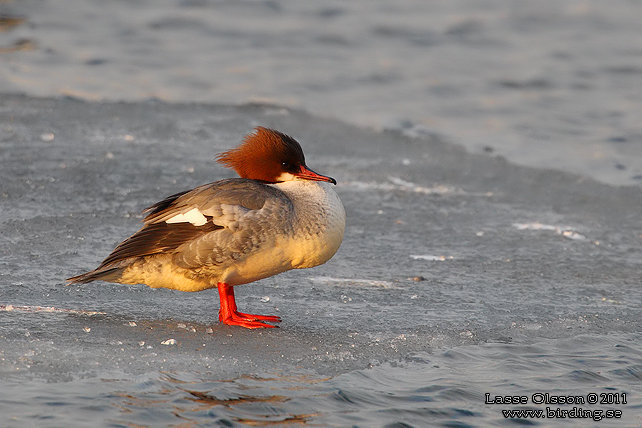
(382, 300)
(66, 205)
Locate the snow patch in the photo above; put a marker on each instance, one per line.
(560, 230)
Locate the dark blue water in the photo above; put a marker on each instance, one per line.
(442, 388)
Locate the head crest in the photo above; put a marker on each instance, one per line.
(264, 155)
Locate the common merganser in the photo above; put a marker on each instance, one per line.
(279, 215)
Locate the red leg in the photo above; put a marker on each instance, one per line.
(231, 316)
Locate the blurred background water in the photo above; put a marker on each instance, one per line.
(547, 83)
(461, 274)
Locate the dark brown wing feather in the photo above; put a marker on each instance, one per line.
(164, 204)
(151, 239)
(157, 238)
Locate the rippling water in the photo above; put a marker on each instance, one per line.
(443, 388)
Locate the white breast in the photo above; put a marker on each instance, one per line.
(308, 236)
(319, 223)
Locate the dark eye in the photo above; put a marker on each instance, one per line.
(287, 166)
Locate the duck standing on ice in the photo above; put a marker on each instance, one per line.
(279, 215)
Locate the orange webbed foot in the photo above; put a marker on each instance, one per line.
(269, 318)
(248, 320)
(229, 315)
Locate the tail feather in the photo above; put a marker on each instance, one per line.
(104, 274)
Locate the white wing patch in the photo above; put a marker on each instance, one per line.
(193, 216)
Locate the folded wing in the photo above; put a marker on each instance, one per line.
(213, 224)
